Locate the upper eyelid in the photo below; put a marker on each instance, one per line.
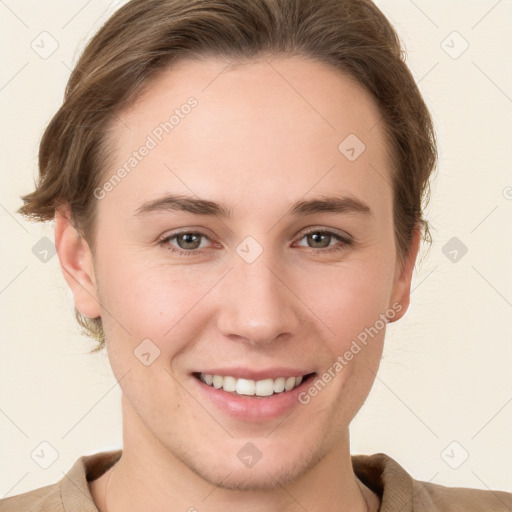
(332, 231)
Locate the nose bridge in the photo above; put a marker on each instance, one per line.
(255, 303)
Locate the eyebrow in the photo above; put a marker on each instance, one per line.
(197, 206)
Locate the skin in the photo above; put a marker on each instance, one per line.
(255, 144)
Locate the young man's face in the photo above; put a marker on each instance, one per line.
(255, 296)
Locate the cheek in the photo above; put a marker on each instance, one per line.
(160, 302)
(351, 298)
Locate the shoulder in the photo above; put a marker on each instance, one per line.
(44, 499)
(435, 497)
(398, 490)
(71, 493)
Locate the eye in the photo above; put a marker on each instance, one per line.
(188, 242)
(322, 239)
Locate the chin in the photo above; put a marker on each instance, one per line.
(263, 478)
(268, 472)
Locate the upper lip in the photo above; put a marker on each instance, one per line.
(248, 373)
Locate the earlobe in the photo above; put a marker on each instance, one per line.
(402, 285)
(76, 263)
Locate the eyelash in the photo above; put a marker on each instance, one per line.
(345, 242)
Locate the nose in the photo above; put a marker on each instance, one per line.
(257, 304)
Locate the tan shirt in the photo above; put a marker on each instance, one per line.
(398, 491)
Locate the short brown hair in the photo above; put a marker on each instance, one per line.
(144, 37)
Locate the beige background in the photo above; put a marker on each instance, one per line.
(446, 372)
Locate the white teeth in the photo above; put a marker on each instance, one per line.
(279, 385)
(229, 384)
(265, 387)
(289, 384)
(243, 386)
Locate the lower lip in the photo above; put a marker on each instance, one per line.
(252, 408)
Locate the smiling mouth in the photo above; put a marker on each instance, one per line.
(249, 387)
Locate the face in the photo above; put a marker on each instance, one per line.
(287, 270)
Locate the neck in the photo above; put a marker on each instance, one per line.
(149, 476)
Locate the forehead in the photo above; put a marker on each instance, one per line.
(279, 124)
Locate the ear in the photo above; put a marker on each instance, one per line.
(403, 276)
(76, 263)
